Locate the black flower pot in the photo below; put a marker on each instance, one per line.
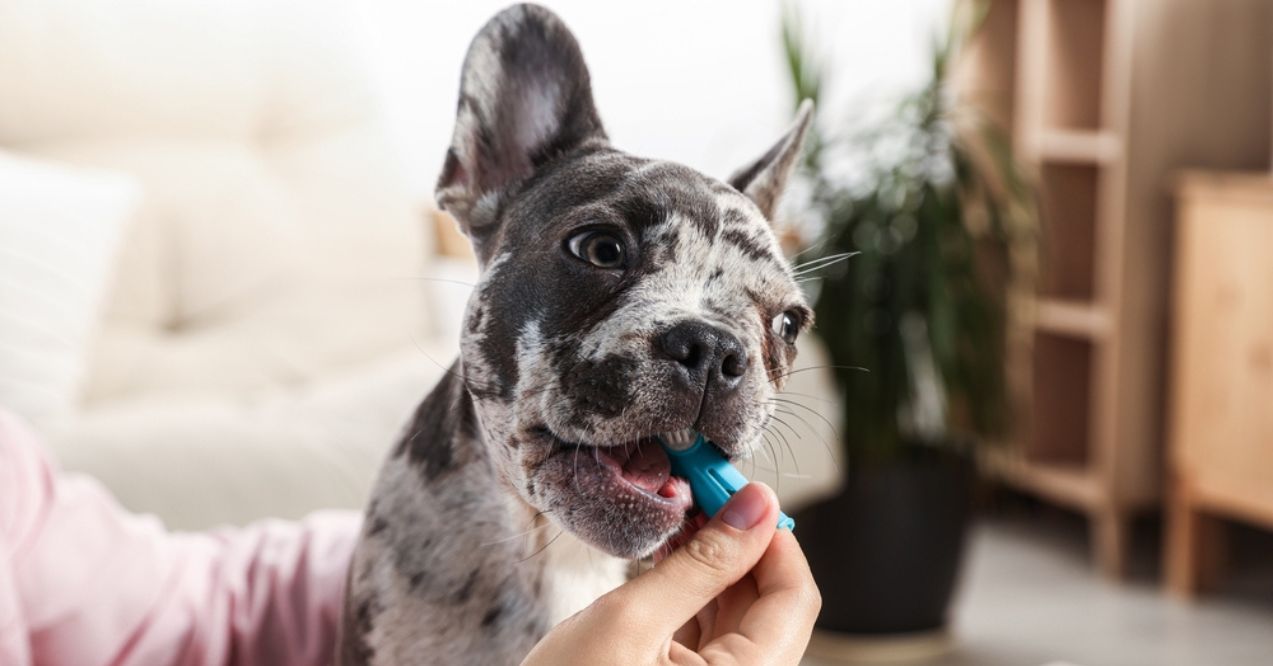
(886, 551)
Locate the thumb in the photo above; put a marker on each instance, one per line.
(724, 550)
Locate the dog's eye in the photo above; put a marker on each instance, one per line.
(786, 325)
(599, 248)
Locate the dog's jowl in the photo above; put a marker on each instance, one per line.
(620, 298)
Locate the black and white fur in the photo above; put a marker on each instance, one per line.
(493, 519)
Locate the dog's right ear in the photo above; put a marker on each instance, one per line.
(525, 98)
(764, 180)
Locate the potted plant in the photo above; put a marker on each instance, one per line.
(935, 227)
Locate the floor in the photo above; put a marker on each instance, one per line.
(1029, 598)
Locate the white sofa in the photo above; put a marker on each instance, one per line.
(266, 333)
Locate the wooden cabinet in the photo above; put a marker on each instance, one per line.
(1221, 417)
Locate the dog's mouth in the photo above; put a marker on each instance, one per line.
(626, 492)
(644, 465)
(641, 465)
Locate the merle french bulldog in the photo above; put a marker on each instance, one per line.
(620, 298)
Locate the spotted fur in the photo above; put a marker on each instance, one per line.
(493, 519)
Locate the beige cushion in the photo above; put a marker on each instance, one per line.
(59, 233)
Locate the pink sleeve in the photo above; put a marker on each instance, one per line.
(84, 582)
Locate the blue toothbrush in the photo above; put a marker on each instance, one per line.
(712, 479)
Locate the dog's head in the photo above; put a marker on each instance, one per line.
(620, 297)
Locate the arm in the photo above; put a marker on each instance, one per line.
(83, 581)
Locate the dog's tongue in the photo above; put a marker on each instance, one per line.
(647, 467)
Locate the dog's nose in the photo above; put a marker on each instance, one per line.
(711, 357)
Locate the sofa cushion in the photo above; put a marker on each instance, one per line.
(202, 461)
(59, 233)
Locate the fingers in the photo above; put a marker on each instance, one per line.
(690, 634)
(662, 599)
(695, 521)
(782, 617)
(766, 620)
(733, 605)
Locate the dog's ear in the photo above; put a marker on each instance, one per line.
(525, 98)
(763, 180)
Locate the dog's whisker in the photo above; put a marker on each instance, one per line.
(476, 387)
(448, 369)
(779, 446)
(822, 440)
(772, 456)
(427, 278)
(543, 547)
(830, 257)
(817, 367)
(812, 271)
(415, 434)
(765, 450)
(824, 262)
(772, 429)
(819, 398)
(576, 463)
(834, 430)
(794, 434)
(786, 442)
(515, 536)
(809, 249)
(788, 475)
(786, 412)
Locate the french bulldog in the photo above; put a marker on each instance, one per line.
(620, 298)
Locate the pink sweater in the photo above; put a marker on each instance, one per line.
(84, 582)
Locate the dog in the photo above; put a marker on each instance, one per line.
(619, 298)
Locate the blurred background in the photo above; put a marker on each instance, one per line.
(1033, 424)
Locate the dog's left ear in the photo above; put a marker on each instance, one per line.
(525, 98)
(764, 180)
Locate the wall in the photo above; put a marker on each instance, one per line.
(697, 82)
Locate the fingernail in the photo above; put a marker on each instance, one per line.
(745, 509)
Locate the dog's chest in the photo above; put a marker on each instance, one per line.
(423, 591)
(576, 574)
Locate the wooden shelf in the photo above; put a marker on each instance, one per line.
(1066, 484)
(1059, 418)
(1073, 40)
(1069, 199)
(1073, 318)
(1107, 99)
(1077, 146)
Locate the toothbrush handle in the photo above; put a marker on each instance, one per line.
(729, 480)
(712, 479)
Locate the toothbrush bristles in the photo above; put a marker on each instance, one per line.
(679, 439)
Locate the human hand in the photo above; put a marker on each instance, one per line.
(738, 592)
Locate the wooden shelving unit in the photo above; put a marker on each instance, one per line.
(1104, 99)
